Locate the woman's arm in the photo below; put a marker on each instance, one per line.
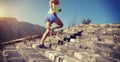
(51, 5)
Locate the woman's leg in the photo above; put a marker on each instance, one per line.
(59, 24)
(48, 24)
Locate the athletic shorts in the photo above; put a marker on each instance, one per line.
(51, 18)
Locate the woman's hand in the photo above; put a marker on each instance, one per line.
(59, 10)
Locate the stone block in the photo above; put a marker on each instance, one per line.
(35, 57)
(77, 45)
(116, 39)
(105, 59)
(53, 46)
(47, 44)
(70, 52)
(64, 49)
(104, 45)
(90, 57)
(115, 55)
(72, 40)
(102, 53)
(20, 46)
(52, 54)
(58, 48)
(78, 55)
(60, 58)
(15, 60)
(69, 59)
(39, 60)
(37, 40)
(10, 47)
(11, 54)
(116, 47)
(30, 43)
(26, 50)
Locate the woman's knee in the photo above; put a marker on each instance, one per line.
(61, 25)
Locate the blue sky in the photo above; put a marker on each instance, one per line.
(34, 11)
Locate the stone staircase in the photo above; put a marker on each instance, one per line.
(79, 43)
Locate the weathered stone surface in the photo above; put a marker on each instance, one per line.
(70, 52)
(27, 50)
(104, 45)
(52, 54)
(78, 55)
(13, 56)
(60, 58)
(1, 58)
(10, 54)
(104, 59)
(10, 47)
(68, 59)
(79, 43)
(15, 60)
(36, 57)
(116, 39)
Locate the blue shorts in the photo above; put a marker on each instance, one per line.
(51, 18)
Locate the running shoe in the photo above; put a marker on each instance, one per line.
(38, 46)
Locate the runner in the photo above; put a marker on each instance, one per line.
(51, 18)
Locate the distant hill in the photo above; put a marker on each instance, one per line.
(11, 29)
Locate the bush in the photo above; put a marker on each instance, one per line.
(84, 21)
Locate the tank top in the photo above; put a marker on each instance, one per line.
(56, 6)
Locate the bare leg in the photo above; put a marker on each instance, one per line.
(59, 24)
(48, 24)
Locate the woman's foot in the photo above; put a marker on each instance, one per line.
(38, 46)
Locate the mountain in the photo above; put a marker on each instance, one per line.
(11, 29)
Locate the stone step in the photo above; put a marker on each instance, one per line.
(108, 53)
(106, 32)
(13, 56)
(108, 50)
(15, 59)
(61, 48)
(105, 46)
(105, 59)
(85, 46)
(30, 55)
(88, 56)
(70, 51)
(35, 57)
(73, 42)
(116, 39)
(56, 56)
(10, 47)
